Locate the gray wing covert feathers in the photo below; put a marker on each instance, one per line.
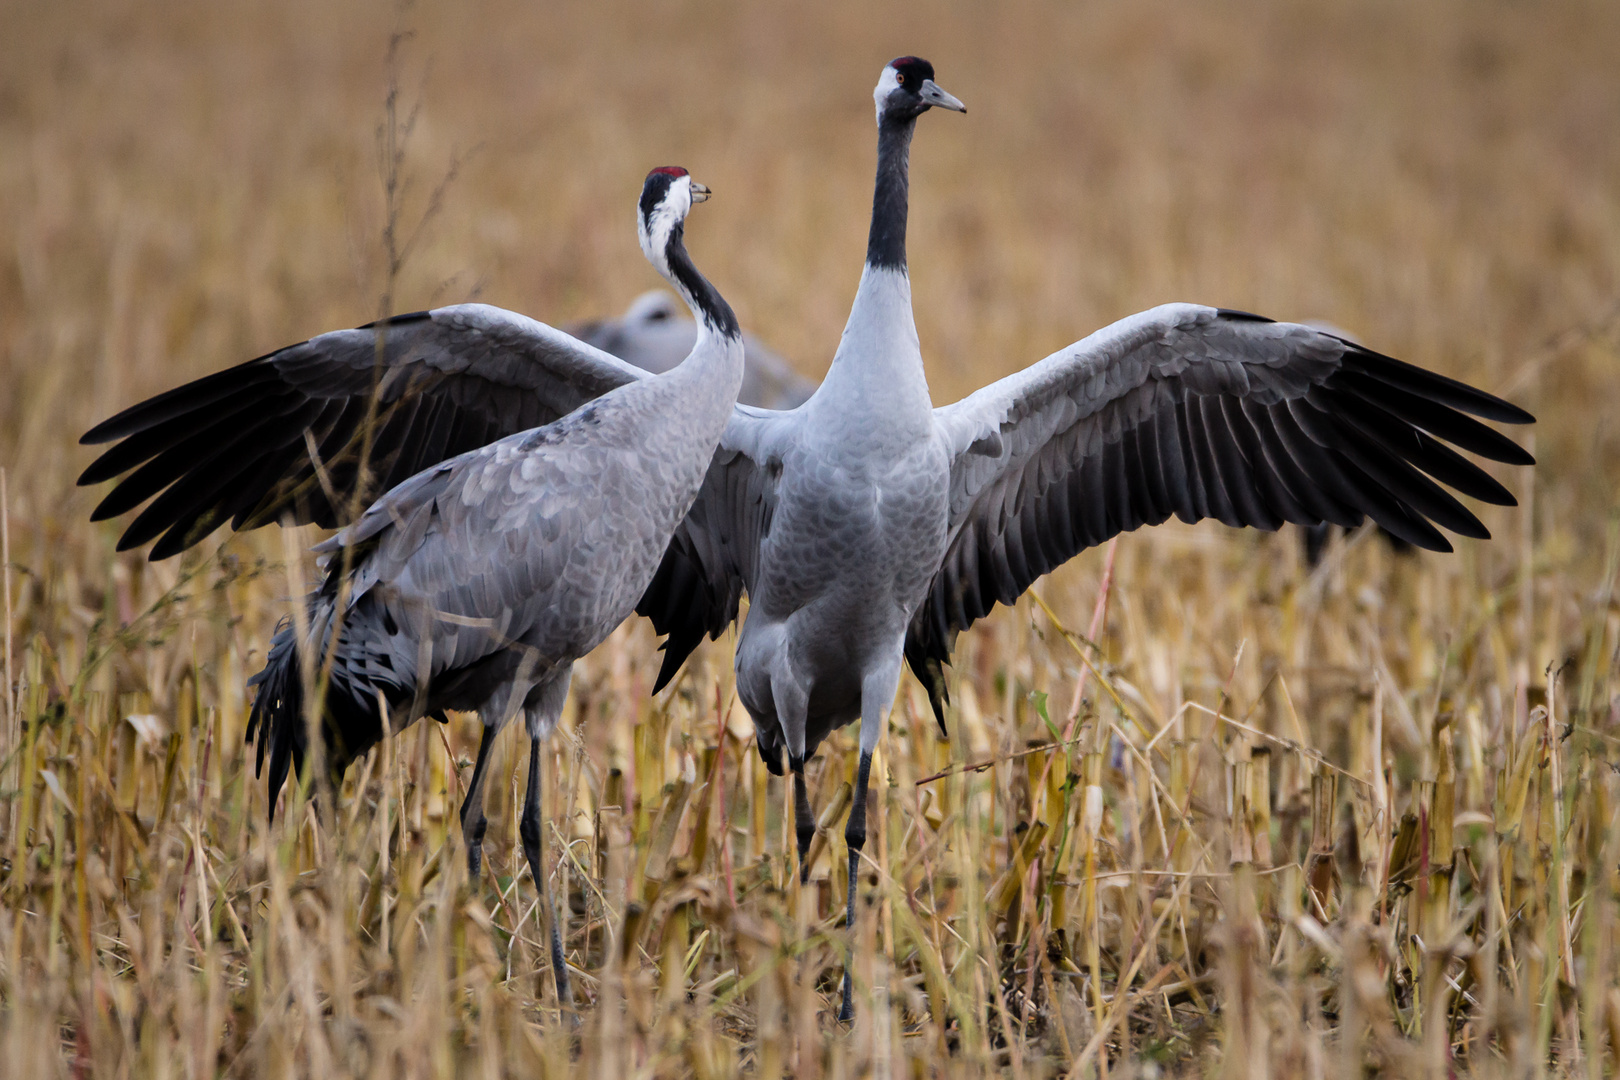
(237, 445)
(495, 547)
(473, 544)
(714, 553)
(1202, 413)
(449, 569)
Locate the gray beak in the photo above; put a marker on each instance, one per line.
(932, 94)
(699, 192)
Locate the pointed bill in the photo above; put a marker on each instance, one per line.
(935, 95)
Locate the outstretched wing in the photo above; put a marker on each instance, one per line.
(1198, 412)
(283, 435)
(714, 553)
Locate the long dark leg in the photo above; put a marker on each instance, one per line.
(473, 822)
(855, 838)
(529, 827)
(804, 822)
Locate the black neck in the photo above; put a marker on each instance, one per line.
(886, 244)
(712, 307)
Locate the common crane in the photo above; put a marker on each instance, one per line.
(869, 527)
(477, 582)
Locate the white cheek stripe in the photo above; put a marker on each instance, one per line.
(887, 82)
(654, 233)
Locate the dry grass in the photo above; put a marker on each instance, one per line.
(1397, 851)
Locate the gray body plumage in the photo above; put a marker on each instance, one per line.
(858, 523)
(498, 568)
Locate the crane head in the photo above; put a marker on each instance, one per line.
(666, 198)
(906, 90)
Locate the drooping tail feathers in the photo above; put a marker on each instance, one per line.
(349, 717)
(278, 710)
